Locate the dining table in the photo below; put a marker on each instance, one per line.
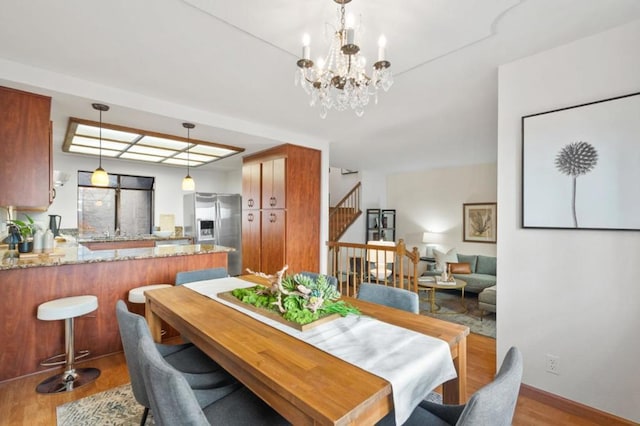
(304, 383)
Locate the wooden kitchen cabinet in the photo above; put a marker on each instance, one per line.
(251, 186)
(250, 239)
(27, 157)
(288, 230)
(274, 184)
(273, 244)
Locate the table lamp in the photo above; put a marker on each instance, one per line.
(430, 239)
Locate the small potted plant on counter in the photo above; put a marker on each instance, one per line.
(26, 230)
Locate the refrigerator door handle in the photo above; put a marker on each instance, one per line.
(216, 231)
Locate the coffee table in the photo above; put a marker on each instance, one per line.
(432, 285)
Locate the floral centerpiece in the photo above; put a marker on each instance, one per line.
(297, 298)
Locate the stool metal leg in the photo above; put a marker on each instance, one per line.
(71, 378)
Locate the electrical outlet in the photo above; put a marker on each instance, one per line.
(553, 364)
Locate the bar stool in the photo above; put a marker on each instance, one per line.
(67, 308)
(136, 295)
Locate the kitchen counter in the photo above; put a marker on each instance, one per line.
(73, 253)
(144, 237)
(75, 270)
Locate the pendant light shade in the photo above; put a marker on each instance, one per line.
(188, 184)
(100, 176)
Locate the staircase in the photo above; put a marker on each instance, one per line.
(344, 213)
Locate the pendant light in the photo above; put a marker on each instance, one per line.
(188, 184)
(100, 176)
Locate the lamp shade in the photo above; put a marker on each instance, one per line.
(188, 184)
(100, 177)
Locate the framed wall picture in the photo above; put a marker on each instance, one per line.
(580, 166)
(479, 222)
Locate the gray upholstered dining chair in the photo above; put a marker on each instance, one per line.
(493, 404)
(200, 275)
(174, 402)
(330, 278)
(390, 296)
(198, 369)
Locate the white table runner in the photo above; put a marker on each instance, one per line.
(412, 362)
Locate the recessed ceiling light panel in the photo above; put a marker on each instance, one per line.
(83, 137)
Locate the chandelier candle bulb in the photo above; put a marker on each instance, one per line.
(382, 46)
(350, 35)
(306, 50)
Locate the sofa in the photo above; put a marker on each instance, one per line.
(487, 299)
(482, 269)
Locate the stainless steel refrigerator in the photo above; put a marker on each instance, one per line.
(216, 219)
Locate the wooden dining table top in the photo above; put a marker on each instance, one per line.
(303, 383)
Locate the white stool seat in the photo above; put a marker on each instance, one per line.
(136, 295)
(67, 307)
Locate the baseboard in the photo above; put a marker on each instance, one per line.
(572, 407)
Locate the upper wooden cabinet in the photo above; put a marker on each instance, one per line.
(27, 157)
(289, 219)
(274, 184)
(251, 186)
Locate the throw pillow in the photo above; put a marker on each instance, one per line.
(459, 268)
(471, 259)
(442, 258)
(486, 265)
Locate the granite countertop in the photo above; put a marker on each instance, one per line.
(72, 253)
(145, 237)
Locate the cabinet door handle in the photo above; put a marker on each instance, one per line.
(272, 201)
(272, 217)
(250, 202)
(250, 217)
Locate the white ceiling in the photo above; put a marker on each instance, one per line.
(229, 67)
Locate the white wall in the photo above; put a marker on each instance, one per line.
(431, 200)
(573, 294)
(340, 185)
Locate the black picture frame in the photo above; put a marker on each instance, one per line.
(581, 166)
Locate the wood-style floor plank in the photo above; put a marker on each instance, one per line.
(21, 405)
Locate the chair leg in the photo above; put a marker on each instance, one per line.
(144, 416)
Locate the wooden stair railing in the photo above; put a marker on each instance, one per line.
(344, 213)
(352, 264)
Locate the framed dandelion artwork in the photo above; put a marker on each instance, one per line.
(479, 222)
(581, 166)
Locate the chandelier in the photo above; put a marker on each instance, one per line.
(339, 81)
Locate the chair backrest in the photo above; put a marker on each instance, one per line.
(495, 403)
(129, 326)
(390, 296)
(330, 278)
(173, 402)
(200, 275)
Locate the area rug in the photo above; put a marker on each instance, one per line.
(114, 407)
(450, 304)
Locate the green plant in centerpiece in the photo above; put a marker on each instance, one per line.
(298, 298)
(26, 229)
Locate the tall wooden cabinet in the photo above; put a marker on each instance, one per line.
(281, 209)
(27, 157)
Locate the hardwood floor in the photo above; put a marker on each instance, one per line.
(21, 405)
